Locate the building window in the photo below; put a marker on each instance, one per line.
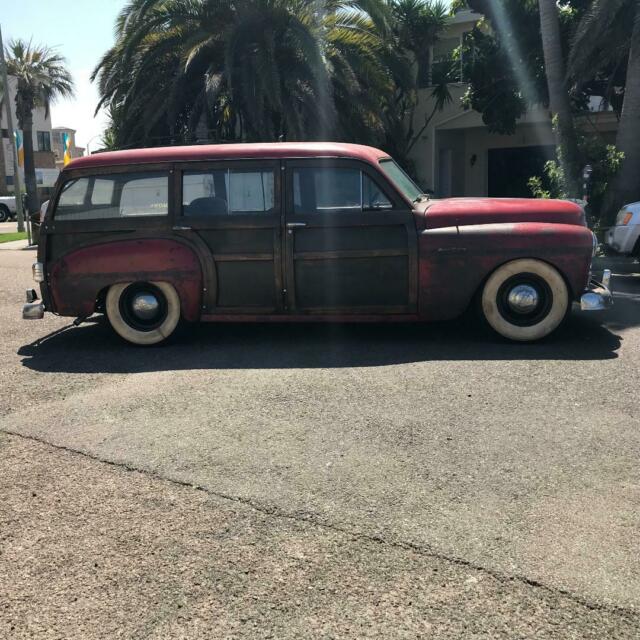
(5, 133)
(44, 141)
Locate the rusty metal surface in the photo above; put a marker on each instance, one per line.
(474, 211)
(77, 278)
(454, 262)
(201, 153)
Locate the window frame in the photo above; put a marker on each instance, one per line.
(376, 175)
(43, 135)
(255, 219)
(161, 221)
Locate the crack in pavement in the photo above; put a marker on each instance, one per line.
(312, 519)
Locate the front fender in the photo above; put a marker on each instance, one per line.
(77, 278)
(454, 262)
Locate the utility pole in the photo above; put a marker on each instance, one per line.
(17, 187)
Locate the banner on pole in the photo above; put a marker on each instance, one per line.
(19, 147)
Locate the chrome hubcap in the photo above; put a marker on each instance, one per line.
(523, 299)
(145, 306)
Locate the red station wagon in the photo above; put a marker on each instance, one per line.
(299, 232)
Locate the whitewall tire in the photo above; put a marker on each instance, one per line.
(143, 313)
(525, 300)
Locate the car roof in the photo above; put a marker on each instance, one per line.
(263, 150)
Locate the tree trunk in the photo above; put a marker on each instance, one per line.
(29, 164)
(627, 184)
(3, 168)
(559, 96)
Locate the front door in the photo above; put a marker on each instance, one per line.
(350, 243)
(233, 208)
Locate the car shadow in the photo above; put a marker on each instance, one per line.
(94, 348)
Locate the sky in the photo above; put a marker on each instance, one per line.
(81, 30)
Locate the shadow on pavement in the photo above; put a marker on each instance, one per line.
(94, 348)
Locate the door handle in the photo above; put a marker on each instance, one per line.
(182, 228)
(296, 225)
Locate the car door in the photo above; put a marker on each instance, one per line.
(234, 209)
(350, 241)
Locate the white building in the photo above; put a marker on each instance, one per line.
(46, 172)
(458, 156)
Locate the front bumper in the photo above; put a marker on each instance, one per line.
(33, 310)
(597, 296)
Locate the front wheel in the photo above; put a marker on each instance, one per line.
(143, 313)
(5, 214)
(525, 300)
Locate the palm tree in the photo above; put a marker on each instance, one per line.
(608, 37)
(559, 95)
(246, 70)
(41, 77)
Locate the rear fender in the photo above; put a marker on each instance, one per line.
(77, 278)
(455, 261)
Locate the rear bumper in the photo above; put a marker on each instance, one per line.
(32, 310)
(597, 296)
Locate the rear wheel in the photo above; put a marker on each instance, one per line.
(525, 300)
(143, 313)
(5, 214)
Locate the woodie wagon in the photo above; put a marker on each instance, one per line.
(299, 232)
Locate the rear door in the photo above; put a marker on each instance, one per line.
(350, 241)
(234, 208)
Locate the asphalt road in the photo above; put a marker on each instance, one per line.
(310, 481)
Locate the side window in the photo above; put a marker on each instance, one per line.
(220, 192)
(114, 196)
(74, 193)
(318, 189)
(102, 192)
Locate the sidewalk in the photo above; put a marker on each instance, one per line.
(17, 245)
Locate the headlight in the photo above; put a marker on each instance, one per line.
(623, 218)
(38, 271)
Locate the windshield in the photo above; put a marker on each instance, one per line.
(408, 187)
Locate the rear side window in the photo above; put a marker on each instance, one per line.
(121, 195)
(318, 189)
(223, 192)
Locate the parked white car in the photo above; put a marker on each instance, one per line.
(624, 237)
(7, 208)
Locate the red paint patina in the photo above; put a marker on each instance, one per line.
(472, 211)
(78, 277)
(455, 261)
(261, 150)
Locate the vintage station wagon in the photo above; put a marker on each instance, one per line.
(299, 232)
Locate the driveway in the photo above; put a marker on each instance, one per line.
(342, 481)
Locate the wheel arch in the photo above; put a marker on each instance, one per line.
(80, 279)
